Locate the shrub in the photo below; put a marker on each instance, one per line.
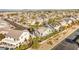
(1, 37)
(22, 47)
(35, 44)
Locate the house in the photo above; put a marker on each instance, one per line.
(24, 36)
(31, 22)
(74, 19)
(50, 26)
(10, 41)
(57, 26)
(16, 37)
(40, 20)
(43, 31)
(77, 18)
(68, 21)
(63, 23)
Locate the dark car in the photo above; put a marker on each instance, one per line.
(71, 39)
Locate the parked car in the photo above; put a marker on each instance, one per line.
(71, 39)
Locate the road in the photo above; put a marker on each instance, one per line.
(64, 45)
(18, 27)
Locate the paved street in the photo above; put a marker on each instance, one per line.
(18, 27)
(64, 45)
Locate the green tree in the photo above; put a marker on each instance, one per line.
(52, 21)
(35, 44)
(2, 36)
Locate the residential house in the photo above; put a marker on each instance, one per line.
(43, 31)
(77, 18)
(74, 19)
(57, 26)
(40, 20)
(68, 21)
(50, 26)
(16, 37)
(63, 23)
(31, 22)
